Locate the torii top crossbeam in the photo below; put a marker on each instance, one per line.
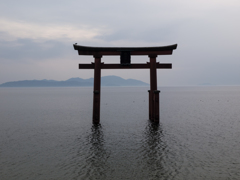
(159, 50)
(125, 53)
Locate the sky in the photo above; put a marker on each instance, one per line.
(37, 37)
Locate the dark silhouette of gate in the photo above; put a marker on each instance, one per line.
(125, 54)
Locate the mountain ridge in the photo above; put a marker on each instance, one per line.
(75, 82)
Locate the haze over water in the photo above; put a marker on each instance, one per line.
(47, 133)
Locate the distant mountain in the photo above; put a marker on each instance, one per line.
(105, 81)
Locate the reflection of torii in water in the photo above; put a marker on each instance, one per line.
(125, 54)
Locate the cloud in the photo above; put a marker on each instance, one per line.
(40, 33)
(24, 30)
(24, 40)
(25, 49)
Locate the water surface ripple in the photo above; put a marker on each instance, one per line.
(46, 133)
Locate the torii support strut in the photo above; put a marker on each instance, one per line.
(125, 63)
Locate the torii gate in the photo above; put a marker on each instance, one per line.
(125, 54)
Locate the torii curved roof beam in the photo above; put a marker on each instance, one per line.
(159, 50)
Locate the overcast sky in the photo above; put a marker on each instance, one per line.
(37, 37)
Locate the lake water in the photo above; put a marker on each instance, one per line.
(47, 133)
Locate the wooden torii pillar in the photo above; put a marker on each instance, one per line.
(125, 54)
